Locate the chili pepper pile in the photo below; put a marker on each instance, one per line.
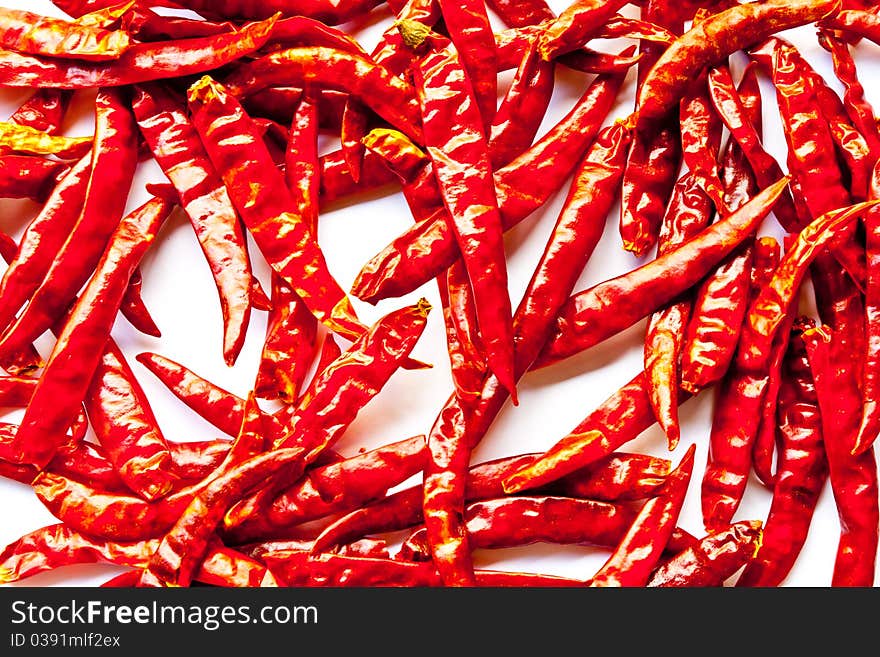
(750, 289)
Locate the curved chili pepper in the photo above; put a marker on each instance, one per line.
(854, 22)
(619, 26)
(575, 26)
(210, 402)
(24, 176)
(633, 295)
(113, 166)
(126, 428)
(64, 382)
(711, 40)
(27, 32)
(283, 237)
(430, 247)
(140, 63)
(716, 558)
(619, 419)
(801, 472)
(390, 97)
(24, 139)
(464, 174)
(144, 24)
(853, 478)
(633, 561)
(522, 13)
(688, 212)
(135, 310)
(175, 144)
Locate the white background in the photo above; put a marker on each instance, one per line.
(179, 291)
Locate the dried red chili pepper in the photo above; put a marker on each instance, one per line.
(459, 152)
(135, 310)
(716, 558)
(428, 248)
(44, 110)
(853, 478)
(126, 428)
(27, 32)
(701, 140)
(854, 22)
(521, 13)
(211, 402)
(389, 96)
(870, 423)
(331, 12)
(282, 236)
(633, 561)
(633, 295)
(339, 392)
(518, 521)
(113, 166)
(78, 350)
(175, 144)
(619, 419)
(145, 24)
(801, 471)
(575, 26)
(711, 40)
(140, 63)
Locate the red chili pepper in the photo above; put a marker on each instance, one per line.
(800, 473)
(714, 38)
(331, 12)
(389, 96)
(624, 300)
(575, 26)
(211, 402)
(175, 144)
(716, 558)
(113, 165)
(283, 237)
(44, 110)
(145, 24)
(459, 152)
(521, 13)
(853, 478)
(701, 140)
(428, 248)
(27, 32)
(632, 563)
(140, 63)
(126, 428)
(517, 521)
(78, 350)
(135, 310)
